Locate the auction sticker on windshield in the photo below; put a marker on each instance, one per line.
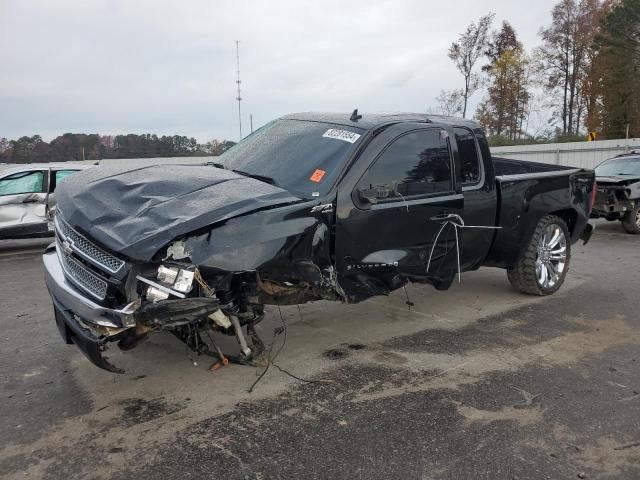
(344, 135)
(317, 176)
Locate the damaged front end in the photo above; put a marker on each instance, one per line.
(216, 280)
(612, 201)
(170, 301)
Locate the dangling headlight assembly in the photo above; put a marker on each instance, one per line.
(184, 281)
(170, 281)
(167, 275)
(155, 294)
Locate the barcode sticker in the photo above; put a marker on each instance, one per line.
(344, 135)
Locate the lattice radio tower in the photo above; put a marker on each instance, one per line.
(239, 97)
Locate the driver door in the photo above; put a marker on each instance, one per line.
(386, 229)
(23, 209)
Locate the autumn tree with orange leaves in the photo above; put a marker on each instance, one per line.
(504, 109)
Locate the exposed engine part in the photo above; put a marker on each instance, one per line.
(223, 359)
(168, 314)
(277, 289)
(133, 337)
(192, 339)
(228, 301)
(204, 286)
(177, 251)
(331, 279)
(101, 330)
(220, 319)
(191, 336)
(159, 288)
(278, 293)
(244, 347)
(258, 344)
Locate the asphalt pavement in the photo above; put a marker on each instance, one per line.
(479, 382)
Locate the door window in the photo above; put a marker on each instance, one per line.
(417, 163)
(469, 157)
(60, 174)
(24, 182)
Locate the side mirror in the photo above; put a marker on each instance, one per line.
(373, 194)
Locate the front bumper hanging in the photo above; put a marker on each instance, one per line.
(74, 314)
(92, 327)
(91, 345)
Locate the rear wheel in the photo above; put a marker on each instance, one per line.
(543, 266)
(631, 221)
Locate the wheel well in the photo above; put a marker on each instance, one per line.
(570, 217)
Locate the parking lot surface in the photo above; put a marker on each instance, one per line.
(477, 382)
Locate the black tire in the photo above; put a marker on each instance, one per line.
(631, 221)
(523, 275)
(444, 284)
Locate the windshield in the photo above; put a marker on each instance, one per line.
(619, 166)
(302, 157)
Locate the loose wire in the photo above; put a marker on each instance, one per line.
(271, 359)
(457, 222)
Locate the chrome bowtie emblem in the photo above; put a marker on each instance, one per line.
(66, 245)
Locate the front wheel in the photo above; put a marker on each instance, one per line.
(631, 221)
(543, 266)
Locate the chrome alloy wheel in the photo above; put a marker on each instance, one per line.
(638, 218)
(552, 256)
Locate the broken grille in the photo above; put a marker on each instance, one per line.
(80, 275)
(87, 249)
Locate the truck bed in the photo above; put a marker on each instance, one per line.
(525, 191)
(506, 166)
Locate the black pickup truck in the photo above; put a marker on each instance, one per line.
(309, 207)
(618, 196)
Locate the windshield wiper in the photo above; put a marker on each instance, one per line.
(214, 164)
(262, 178)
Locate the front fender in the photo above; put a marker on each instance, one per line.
(263, 241)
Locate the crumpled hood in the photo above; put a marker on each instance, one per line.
(137, 212)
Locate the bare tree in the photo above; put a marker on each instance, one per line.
(465, 54)
(617, 64)
(217, 147)
(564, 58)
(450, 102)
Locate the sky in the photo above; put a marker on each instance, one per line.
(168, 67)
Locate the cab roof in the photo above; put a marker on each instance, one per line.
(370, 121)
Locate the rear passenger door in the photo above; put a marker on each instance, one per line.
(23, 204)
(384, 222)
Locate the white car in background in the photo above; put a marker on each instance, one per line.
(27, 197)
